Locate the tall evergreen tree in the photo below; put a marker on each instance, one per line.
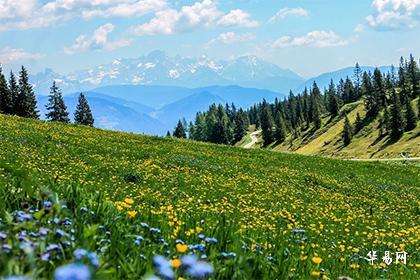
(410, 116)
(26, 102)
(83, 114)
(397, 120)
(357, 81)
(180, 130)
(333, 106)
(6, 100)
(379, 87)
(371, 98)
(168, 134)
(281, 131)
(57, 110)
(240, 126)
(266, 124)
(358, 124)
(14, 92)
(414, 75)
(347, 134)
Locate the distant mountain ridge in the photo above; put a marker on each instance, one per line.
(159, 69)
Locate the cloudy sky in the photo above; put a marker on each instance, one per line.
(307, 36)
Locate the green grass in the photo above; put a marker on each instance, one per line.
(251, 201)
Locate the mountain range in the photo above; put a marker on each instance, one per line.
(159, 69)
(151, 93)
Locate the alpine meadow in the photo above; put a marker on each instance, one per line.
(209, 140)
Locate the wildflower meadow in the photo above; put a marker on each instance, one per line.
(83, 203)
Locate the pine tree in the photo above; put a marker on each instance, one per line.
(333, 106)
(413, 72)
(386, 123)
(26, 102)
(371, 98)
(83, 114)
(57, 110)
(191, 130)
(168, 134)
(281, 132)
(347, 134)
(240, 127)
(6, 100)
(357, 81)
(180, 130)
(266, 124)
(358, 124)
(410, 116)
(14, 92)
(379, 87)
(397, 120)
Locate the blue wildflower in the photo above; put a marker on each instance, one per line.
(93, 258)
(73, 272)
(200, 270)
(45, 257)
(47, 204)
(79, 254)
(163, 267)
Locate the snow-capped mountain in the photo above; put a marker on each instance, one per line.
(157, 68)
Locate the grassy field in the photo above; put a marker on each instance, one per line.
(114, 201)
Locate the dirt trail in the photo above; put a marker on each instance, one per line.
(254, 139)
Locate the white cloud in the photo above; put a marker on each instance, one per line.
(229, 38)
(188, 18)
(98, 40)
(138, 8)
(394, 14)
(287, 12)
(171, 21)
(237, 18)
(28, 14)
(315, 39)
(8, 55)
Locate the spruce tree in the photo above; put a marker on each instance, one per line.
(57, 110)
(26, 102)
(358, 124)
(180, 130)
(379, 87)
(347, 134)
(281, 132)
(6, 100)
(386, 123)
(240, 127)
(397, 120)
(413, 72)
(266, 124)
(333, 106)
(357, 81)
(83, 114)
(410, 116)
(168, 134)
(14, 92)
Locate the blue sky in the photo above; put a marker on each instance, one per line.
(309, 36)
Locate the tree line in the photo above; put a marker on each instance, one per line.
(387, 96)
(17, 97)
(220, 125)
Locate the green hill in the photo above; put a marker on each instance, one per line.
(128, 198)
(366, 144)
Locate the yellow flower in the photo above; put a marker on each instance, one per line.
(129, 201)
(132, 214)
(315, 274)
(302, 258)
(354, 266)
(176, 263)
(181, 248)
(316, 260)
(355, 250)
(382, 265)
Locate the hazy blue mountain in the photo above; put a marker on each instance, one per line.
(186, 108)
(111, 115)
(157, 68)
(241, 97)
(152, 96)
(324, 79)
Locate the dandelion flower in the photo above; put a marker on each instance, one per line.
(181, 248)
(316, 260)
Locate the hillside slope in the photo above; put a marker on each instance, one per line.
(273, 215)
(366, 144)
